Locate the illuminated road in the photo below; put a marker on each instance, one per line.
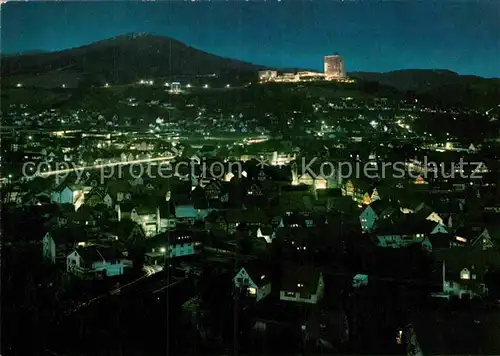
(100, 166)
(149, 271)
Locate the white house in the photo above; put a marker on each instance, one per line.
(95, 261)
(404, 235)
(302, 284)
(266, 233)
(57, 243)
(148, 216)
(171, 244)
(475, 236)
(378, 209)
(68, 194)
(255, 280)
(360, 280)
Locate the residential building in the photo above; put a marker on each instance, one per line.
(95, 262)
(254, 280)
(68, 194)
(302, 284)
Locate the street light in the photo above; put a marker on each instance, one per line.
(163, 250)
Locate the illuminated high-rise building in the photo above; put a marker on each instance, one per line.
(334, 67)
(267, 75)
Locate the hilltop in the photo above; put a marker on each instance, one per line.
(120, 60)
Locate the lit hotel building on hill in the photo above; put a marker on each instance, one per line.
(334, 67)
(334, 70)
(267, 75)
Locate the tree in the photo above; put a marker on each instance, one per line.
(134, 240)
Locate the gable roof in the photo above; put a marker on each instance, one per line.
(257, 272)
(98, 191)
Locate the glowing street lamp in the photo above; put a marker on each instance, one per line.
(228, 86)
(188, 86)
(106, 85)
(205, 86)
(163, 250)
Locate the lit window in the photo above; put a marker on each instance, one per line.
(465, 274)
(252, 291)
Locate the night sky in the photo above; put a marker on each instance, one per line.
(463, 36)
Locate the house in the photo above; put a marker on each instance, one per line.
(302, 284)
(98, 195)
(213, 190)
(68, 194)
(95, 262)
(359, 190)
(84, 216)
(56, 244)
(317, 179)
(251, 217)
(360, 280)
(379, 209)
(171, 244)
(254, 280)
(407, 232)
(266, 233)
(126, 230)
(463, 271)
(476, 236)
(119, 190)
(230, 219)
(167, 217)
(147, 215)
